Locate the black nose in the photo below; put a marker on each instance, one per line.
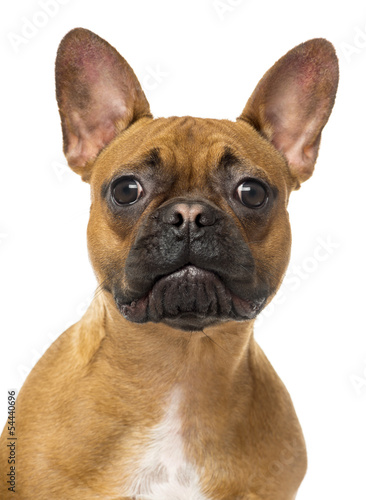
(192, 215)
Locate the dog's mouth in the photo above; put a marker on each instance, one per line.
(190, 298)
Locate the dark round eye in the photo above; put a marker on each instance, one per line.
(126, 191)
(252, 194)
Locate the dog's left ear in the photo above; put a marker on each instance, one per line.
(293, 101)
(98, 96)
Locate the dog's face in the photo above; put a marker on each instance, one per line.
(189, 223)
(186, 221)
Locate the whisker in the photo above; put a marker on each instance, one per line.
(99, 289)
(213, 341)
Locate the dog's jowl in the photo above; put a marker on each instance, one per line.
(160, 391)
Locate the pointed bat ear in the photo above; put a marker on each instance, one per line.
(293, 101)
(98, 96)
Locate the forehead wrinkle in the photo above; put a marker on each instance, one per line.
(233, 162)
(203, 162)
(244, 166)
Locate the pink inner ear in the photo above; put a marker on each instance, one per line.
(293, 101)
(89, 141)
(294, 128)
(97, 92)
(92, 128)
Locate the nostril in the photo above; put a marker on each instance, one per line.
(179, 219)
(203, 219)
(200, 220)
(175, 219)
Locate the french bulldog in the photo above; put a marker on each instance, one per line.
(160, 391)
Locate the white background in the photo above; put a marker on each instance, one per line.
(207, 61)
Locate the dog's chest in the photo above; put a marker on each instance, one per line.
(163, 472)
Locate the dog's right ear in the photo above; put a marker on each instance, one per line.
(98, 96)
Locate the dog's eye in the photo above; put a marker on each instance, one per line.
(252, 194)
(126, 191)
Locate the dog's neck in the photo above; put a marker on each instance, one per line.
(206, 366)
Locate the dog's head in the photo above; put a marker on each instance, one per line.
(188, 222)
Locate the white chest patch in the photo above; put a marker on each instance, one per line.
(164, 473)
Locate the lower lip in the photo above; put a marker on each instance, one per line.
(137, 311)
